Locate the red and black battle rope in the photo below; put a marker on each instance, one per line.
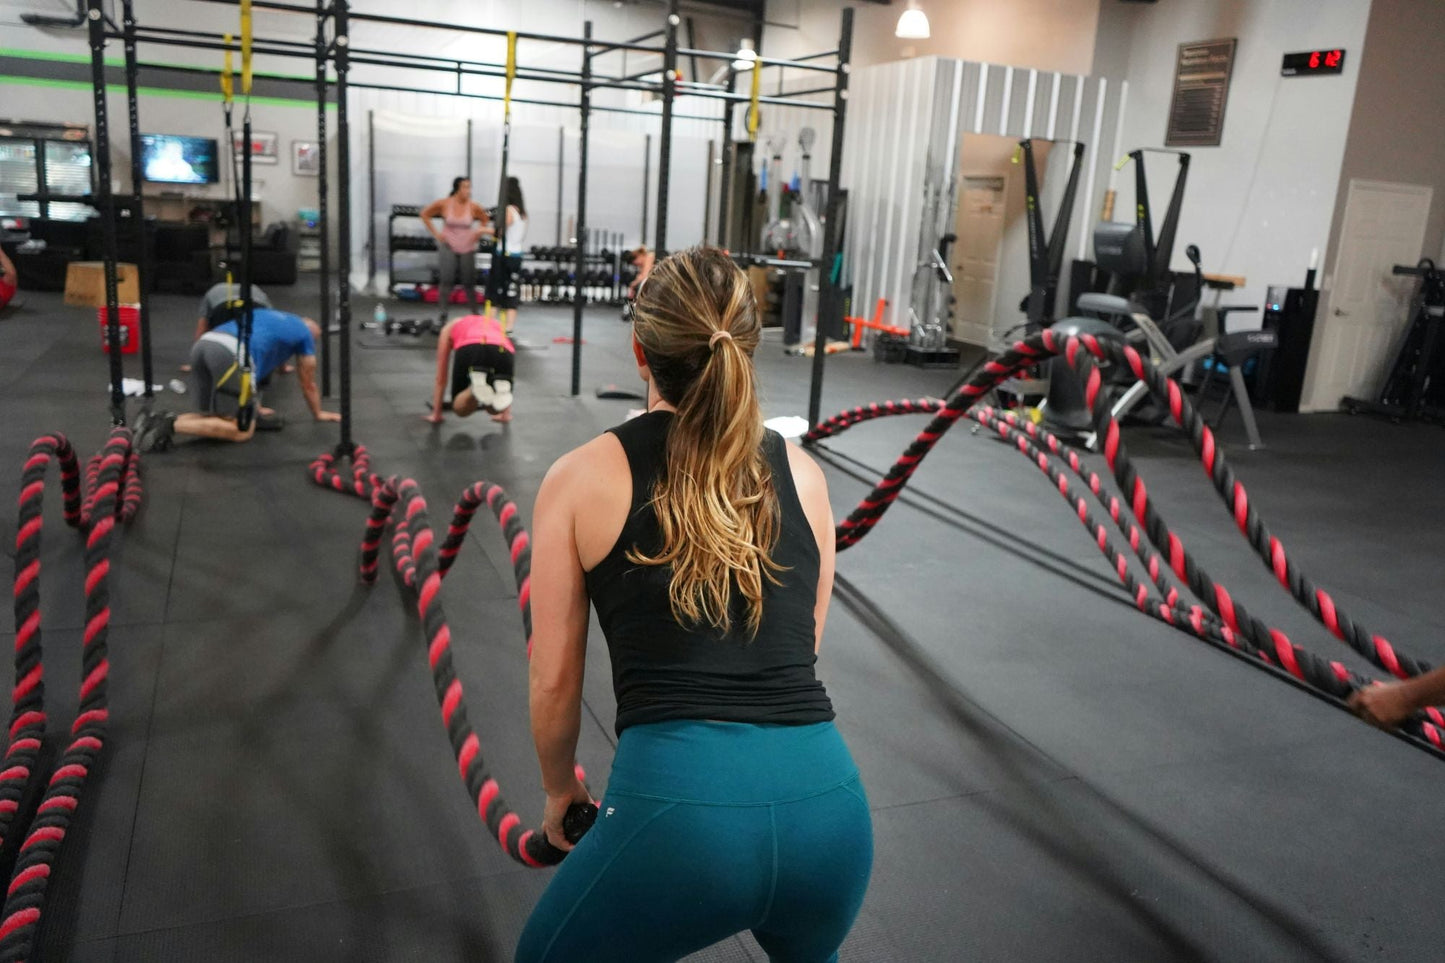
(421, 564)
(1081, 354)
(110, 495)
(1277, 650)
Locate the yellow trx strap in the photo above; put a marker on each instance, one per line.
(246, 47)
(228, 90)
(244, 396)
(511, 72)
(754, 115)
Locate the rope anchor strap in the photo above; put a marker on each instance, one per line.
(110, 493)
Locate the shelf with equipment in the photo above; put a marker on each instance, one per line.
(418, 250)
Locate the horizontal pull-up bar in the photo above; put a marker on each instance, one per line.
(765, 61)
(260, 48)
(376, 58)
(308, 45)
(307, 48)
(641, 74)
(817, 56)
(600, 49)
(519, 100)
(683, 91)
(355, 17)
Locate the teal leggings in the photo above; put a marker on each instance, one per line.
(709, 829)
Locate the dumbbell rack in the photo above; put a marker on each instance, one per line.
(417, 243)
(549, 274)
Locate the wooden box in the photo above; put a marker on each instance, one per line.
(85, 284)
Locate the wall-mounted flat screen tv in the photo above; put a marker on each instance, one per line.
(173, 159)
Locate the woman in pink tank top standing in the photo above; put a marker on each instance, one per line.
(457, 240)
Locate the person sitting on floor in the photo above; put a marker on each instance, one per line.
(482, 366)
(216, 380)
(9, 280)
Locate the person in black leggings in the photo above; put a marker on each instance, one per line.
(457, 241)
(706, 545)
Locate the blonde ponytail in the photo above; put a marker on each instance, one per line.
(698, 325)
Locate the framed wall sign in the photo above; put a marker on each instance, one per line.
(1201, 87)
(264, 148)
(305, 158)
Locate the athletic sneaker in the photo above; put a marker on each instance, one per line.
(155, 431)
(483, 392)
(501, 396)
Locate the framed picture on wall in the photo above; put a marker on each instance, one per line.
(264, 148)
(305, 158)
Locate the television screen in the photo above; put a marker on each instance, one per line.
(172, 159)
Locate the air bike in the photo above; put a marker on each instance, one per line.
(1152, 308)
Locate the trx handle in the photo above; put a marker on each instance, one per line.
(511, 72)
(579, 819)
(245, 47)
(755, 115)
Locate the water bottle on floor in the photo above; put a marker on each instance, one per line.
(378, 316)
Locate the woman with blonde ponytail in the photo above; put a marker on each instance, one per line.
(705, 544)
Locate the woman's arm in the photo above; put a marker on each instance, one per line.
(433, 210)
(559, 641)
(812, 488)
(480, 213)
(444, 353)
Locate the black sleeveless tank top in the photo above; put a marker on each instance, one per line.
(664, 670)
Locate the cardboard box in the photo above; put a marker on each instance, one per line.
(758, 278)
(85, 284)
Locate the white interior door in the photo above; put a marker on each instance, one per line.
(1366, 309)
(975, 257)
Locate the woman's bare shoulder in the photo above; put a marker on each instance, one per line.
(592, 466)
(808, 478)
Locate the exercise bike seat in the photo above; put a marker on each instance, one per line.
(1105, 304)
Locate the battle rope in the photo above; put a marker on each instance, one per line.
(1320, 604)
(1255, 633)
(1277, 650)
(421, 565)
(111, 493)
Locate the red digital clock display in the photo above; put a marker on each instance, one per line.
(1313, 62)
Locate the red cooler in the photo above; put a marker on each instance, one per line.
(129, 329)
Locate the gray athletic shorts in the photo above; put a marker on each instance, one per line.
(214, 385)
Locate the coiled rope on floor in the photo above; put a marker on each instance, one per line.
(111, 494)
(421, 564)
(1082, 354)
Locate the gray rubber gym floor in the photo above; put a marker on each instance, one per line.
(1053, 775)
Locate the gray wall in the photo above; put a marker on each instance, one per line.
(1397, 129)
(1264, 198)
(1042, 34)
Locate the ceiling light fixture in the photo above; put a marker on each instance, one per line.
(746, 55)
(912, 23)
